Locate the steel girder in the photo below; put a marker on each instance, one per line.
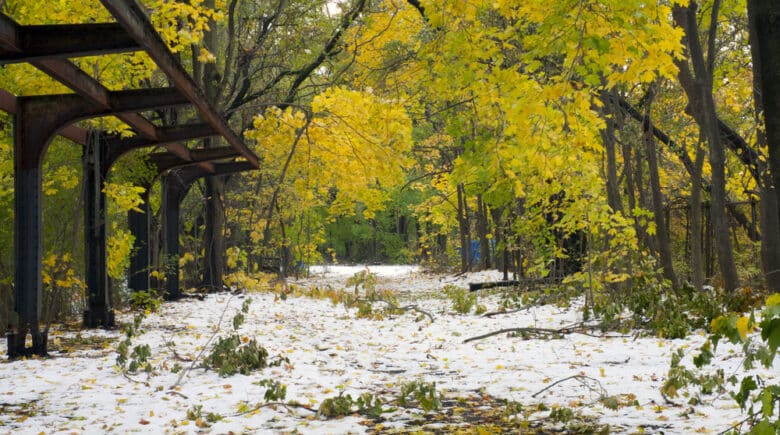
(36, 121)
(139, 222)
(175, 187)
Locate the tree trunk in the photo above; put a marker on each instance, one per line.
(697, 261)
(465, 234)
(661, 232)
(764, 24)
(213, 237)
(611, 112)
(502, 251)
(698, 88)
(482, 228)
(642, 199)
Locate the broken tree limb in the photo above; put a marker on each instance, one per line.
(748, 156)
(473, 286)
(577, 329)
(395, 307)
(581, 379)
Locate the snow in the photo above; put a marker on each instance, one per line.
(331, 350)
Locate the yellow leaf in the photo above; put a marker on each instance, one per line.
(743, 327)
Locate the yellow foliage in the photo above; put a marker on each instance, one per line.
(119, 247)
(356, 144)
(125, 195)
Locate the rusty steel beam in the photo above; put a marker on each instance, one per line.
(167, 161)
(138, 222)
(132, 17)
(175, 187)
(75, 78)
(118, 146)
(75, 134)
(30, 43)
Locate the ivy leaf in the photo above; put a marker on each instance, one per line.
(770, 332)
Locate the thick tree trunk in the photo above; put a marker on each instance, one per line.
(502, 253)
(213, 237)
(697, 261)
(611, 112)
(764, 24)
(642, 198)
(482, 228)
(661, 232)
(698, 87)
(465, 233)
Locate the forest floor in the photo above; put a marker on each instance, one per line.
(506, 383)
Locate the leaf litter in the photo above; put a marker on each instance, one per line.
(506, 382)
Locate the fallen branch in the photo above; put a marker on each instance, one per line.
(474, 286)
(543, 331)
(205, 346)
(738, 424)
(541, 301)
(412, 308)
(286, 405)
(539, 331)
(397, 308)
(581, 379)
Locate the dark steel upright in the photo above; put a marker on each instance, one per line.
(36, 121)
(98, 312)
(175, 187)
(27, 238)
(138, 223)
(172, 195)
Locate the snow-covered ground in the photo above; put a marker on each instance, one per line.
(331, 350)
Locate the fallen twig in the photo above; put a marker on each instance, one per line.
(389, 371)
(540, 301)
(520, 330)
(544, 331)
(286, 405)
(581, 379)
(404, 308)
(131, 379)
(205, 346)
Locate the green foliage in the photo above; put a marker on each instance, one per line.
(754, 396)
(275, 391)
(364, 279)
(145, 300)
(138, 358)
(657, 308)
(235, 354)
(343, 404)
(337, 406)
(230, 356)
(462, 300)
(424, 393)
(195, 413)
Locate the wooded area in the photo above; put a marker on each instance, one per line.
(622, 150)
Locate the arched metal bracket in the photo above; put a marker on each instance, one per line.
(175, 187)
(36, 121)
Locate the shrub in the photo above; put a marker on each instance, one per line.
(462, 300)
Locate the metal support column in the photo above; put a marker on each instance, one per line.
(171, 193)
(98, 312)
(27, 240)
(138, 222)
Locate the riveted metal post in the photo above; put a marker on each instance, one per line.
(98, 312)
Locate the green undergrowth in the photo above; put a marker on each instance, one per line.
(758, 336)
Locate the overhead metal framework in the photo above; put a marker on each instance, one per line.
(37, 119)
